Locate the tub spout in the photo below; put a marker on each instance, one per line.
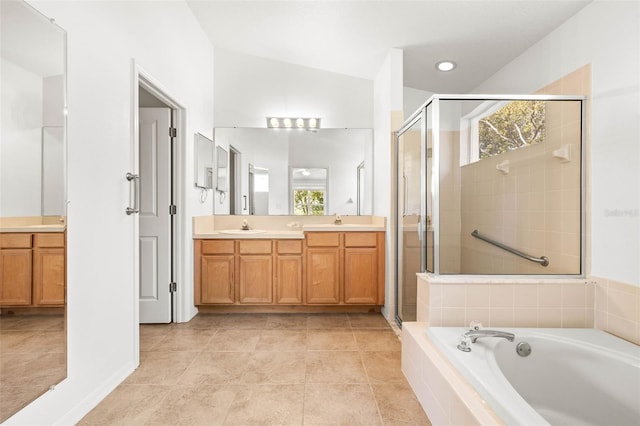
(477, 334)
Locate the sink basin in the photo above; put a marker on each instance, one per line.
(242, 232)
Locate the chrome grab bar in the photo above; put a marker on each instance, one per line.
(136, 193)
(542, 260)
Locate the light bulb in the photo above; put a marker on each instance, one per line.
(274, 122)
(313, 122)
(300, 122)
(286, 122)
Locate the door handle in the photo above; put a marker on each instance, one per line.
(244, 198)
(135, 179)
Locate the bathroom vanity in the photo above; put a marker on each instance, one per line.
(317, 267)
(32, 264)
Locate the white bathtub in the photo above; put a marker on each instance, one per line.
(571, 377)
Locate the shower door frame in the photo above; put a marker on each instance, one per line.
(421, 114)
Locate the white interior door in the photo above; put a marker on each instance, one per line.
(155, 219)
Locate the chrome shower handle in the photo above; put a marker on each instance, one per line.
(136, 193)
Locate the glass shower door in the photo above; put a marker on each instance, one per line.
(410, 219)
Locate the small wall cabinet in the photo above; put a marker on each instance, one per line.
(32, 269)
(324, 269)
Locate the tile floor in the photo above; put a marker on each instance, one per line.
(265, 369)
(32, 358)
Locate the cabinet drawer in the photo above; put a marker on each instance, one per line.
(48, 240)
(289, 247)
(323, 239)
(217, 247)
(255, 246)
(360, 239)
(18, 240)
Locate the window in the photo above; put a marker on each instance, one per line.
(308, 202)
(494, 128)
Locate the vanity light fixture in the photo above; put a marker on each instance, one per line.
(302, 123)
(446, 65)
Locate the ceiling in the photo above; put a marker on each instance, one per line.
(353, 37)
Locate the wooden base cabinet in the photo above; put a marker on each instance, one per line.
(32, 269)
(325, 269)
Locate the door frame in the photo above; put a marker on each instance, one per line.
(142, 78)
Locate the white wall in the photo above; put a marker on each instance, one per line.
(103, 37)
(607, 35)
(387, 105)
(21, 110)
(412, 99)
(248, 89)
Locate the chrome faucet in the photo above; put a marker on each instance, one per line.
(477, 334)
(465, 341)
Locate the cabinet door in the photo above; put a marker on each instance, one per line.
(323, 275)
(361, 275)
(49, 276)
(15, 277)
(256, 279)
(289, 279)
(216, 279)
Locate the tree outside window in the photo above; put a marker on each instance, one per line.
(308, 202)
(515, 125)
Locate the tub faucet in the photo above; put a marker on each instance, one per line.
(477, 334)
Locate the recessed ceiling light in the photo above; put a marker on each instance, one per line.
(446, 66)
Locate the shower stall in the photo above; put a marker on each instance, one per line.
(489, 185)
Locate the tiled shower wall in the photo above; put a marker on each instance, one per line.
(617, 308)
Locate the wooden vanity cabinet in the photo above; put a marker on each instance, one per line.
(255, 271)
(32, 269)
(214, 271)
(49, 274)
(288, 274)
(324, 253)
(324, 269)
(15, 269)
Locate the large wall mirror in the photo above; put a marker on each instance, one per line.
(287, 172)
(32, 205)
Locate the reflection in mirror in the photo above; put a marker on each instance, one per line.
(223, 161)
(204, 161)
(32, 205)
(338, 151)
(309, 191)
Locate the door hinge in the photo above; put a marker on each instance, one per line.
(173, 132)
(173, 287)
(172, 209)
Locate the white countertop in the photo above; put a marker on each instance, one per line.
(240, 235)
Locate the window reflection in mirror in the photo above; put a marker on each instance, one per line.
(309, 191)
(32, 205)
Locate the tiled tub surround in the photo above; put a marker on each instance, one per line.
(593, 302)
(456, 300)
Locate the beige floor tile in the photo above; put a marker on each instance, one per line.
(185, 340)
(335, 367)
(331, 340)
(32, 369)
(216, 368)
(267, 405)
(32, 322)
(241, 321)
(205, 321)
(282, 340)
(377, 340)
(340, 404)
(287, 321)
(322, 321)
(383, 367)
(275, 368)
(398, 405)
(233, 341)
(195, 405)
(128, 405)
(374, 320)
(161, 368)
